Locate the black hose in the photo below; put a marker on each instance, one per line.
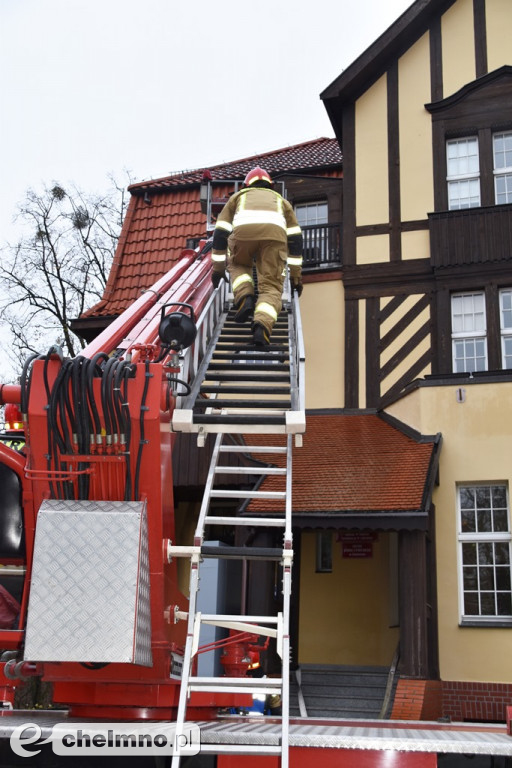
(94, 369)
(128, 421)
(50, 452)
(142, 441)
(25, 381)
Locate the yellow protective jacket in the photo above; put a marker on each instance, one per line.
(258, 213)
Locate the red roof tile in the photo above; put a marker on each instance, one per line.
(164, 213)
(353, 463)
(319, 153)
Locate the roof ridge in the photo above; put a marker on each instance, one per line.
(274, 151)
(188, 174)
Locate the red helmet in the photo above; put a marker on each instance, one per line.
(13, 418)
(257, 174)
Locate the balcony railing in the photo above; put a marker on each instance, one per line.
(322, 246)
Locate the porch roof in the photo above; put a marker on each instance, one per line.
(357, 470)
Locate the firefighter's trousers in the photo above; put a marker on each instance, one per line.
(270, 257)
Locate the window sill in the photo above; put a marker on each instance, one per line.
(486, 623)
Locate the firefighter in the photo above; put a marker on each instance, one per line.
(14, 435)
(258, 224)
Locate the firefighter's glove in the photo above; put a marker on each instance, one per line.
(297, 285)
(218, 276)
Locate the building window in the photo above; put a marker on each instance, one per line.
(484, 541)
(506, 326)
(311, 214)
(502, 144)
(463, 173)
(469, 340)
(312, 218)
(324, 551)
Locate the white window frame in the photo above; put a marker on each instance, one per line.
(311, 208)
(460, 179)
(504, 171)
(468, 335)
(506, 332)
(482, 538)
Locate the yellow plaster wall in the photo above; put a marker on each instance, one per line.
(345, 615)
(415, 132)
(322, 308)
(372, 205)
(416, 245)
(476, 448)
(498, 15)
(458, 42)
(371, 249)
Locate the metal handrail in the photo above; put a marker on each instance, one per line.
(191, 358)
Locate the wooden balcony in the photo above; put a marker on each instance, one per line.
(322, 247)
(471, 236)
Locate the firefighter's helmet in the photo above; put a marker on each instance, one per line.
(257, 174)
(13, 418)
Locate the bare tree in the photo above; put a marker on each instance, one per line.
(59, 268)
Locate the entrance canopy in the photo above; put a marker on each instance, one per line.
(361, 471)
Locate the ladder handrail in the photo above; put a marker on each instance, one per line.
(207, 325)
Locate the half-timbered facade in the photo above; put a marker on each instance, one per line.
(425, 120)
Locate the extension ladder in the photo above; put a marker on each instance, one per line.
(237, 389)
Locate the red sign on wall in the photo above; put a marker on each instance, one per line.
(357, 543)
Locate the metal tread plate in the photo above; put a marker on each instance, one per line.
(89, 596)
(406, 737)
(249, 733)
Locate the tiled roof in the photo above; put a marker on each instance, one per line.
(164, 213)
(319, 153)
(353, 464)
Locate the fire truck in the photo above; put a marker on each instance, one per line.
(88, 549)
(91, 596)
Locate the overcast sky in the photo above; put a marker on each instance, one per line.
(92, 87)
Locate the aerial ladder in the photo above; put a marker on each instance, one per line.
(92, 493)
(255, 394)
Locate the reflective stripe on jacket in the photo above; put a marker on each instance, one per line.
(257, 213)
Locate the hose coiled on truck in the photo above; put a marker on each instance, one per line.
(75, 418)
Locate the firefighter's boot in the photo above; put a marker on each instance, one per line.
(260, 335)
(244, 309)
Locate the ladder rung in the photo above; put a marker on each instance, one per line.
(269, 522)
(224, 418)
(249, 471)
(214, 402)
(236, 684)
(250, 366)
(241, 553)
(242, 376)
(275, 350)
(246, 619)
(248, 495)
(231, 390)
(253, 449)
